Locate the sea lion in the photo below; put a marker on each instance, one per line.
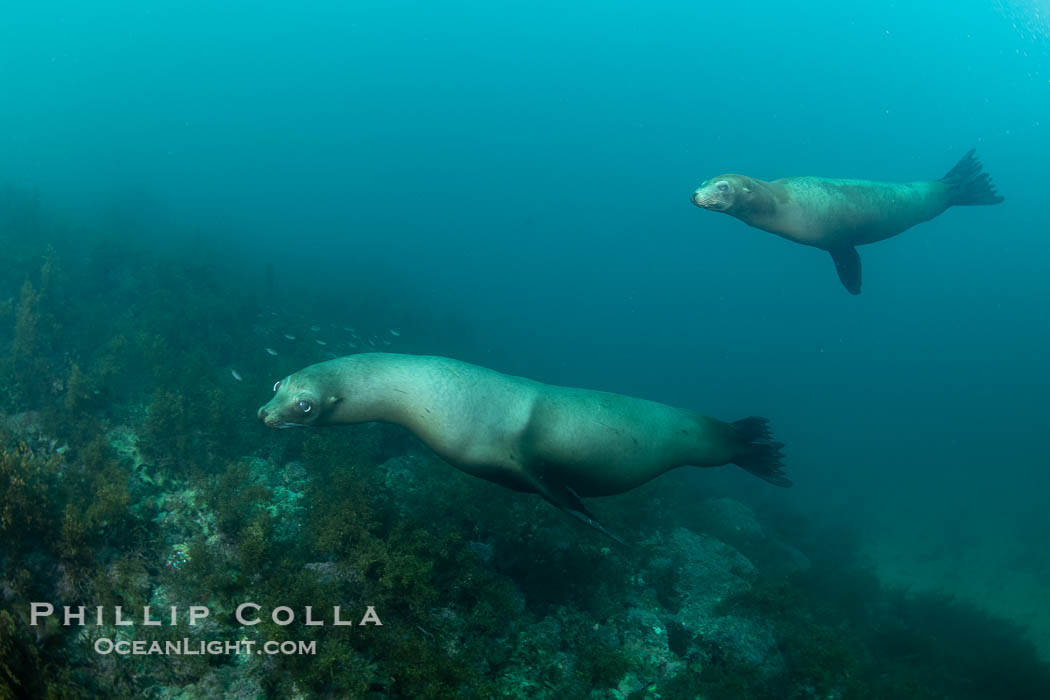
(837, 215)
(558, 442)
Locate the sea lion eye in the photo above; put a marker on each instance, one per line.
(305, 406)
(723, 187)
(276, 386)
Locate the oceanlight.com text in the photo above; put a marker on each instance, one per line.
(197, 647)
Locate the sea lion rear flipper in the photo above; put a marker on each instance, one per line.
(847, 264)
(757, 451)
(969, 185)
(566, 499)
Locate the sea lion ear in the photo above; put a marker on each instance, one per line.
(747, 190)
(333, 399)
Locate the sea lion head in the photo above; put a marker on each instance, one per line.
(298, 401)
(724, 193)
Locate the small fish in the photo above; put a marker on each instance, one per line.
(371, 342)
(236, 375)
(270, 351)
(348, 329)
(289, 336)
(353, 346)
(315, 328)
(320, 342)
(394, 333)
(386, 342)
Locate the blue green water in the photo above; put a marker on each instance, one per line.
(509, 183)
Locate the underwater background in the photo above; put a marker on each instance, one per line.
(183, 185)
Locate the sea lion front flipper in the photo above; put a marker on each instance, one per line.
(566, 499)
(847, 264)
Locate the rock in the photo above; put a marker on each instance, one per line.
(331, 572)
(22, 424)
(645, 641)
(735, 523)
(708, 573)
(784, 560)
(731, 521)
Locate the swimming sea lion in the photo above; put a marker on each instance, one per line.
(558, 442)
(836, 215)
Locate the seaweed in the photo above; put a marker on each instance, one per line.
(26, 670)
(27, 506)
(844, 634)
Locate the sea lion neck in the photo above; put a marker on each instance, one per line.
(360, 388)
(759, 201)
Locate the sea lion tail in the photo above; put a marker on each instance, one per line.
(969, 184)
(758, 452)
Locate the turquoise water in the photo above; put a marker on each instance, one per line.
(183, 185)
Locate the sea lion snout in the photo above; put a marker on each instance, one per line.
(705, 200)
(702, 199)
(273, 418)
(270, 417)
(716, 194)
(294, 404)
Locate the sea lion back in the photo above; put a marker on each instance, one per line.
(829, 212)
